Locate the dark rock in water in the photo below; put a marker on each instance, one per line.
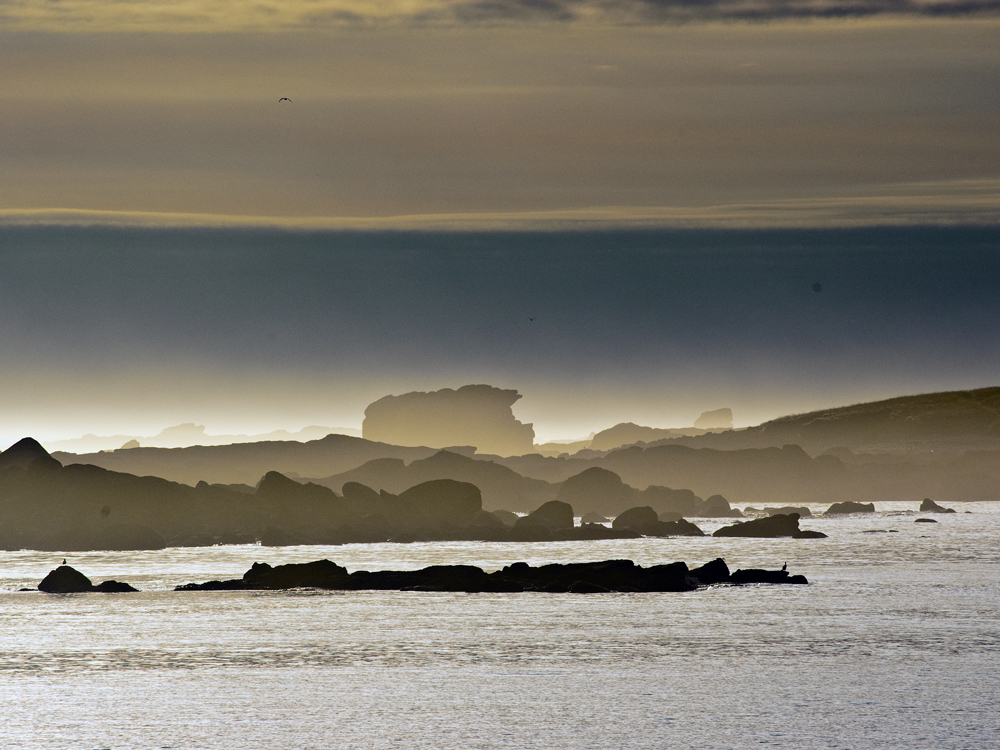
(929, 506)
(925, 520)
(593, 518)
(754, 575)
(114, 587)
(65, 580)
(551, 515)
(712, 572)
(849, 507)
(809, 534)
(634, 518)
(586, 587)
(772, 526)
(321, 574)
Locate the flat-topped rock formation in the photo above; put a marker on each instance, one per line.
(478, 415)
(576, 578)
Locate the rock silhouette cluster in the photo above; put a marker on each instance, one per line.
(575, 578)
(68, 580)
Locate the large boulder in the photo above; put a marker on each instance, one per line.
(445, 501)
(552, 515)
(635, 518)
(839, 509)
(597, 490)
(929, 506)
(667, 500)
(65, 580)
(473, 415)
(772, 526)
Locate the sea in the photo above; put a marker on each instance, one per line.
(895, 643)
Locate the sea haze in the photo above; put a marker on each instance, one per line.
(129, 330)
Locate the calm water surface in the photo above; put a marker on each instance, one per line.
(893, 645)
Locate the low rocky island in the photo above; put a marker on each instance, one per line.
(574, 578)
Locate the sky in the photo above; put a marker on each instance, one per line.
(658, 184)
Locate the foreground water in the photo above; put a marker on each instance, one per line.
(893, 645)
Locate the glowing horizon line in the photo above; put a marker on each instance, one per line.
(979, 205)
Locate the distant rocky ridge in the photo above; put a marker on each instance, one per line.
(185, 435)
(475, 415)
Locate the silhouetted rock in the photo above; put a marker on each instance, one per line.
(593, 518)
(718, 419)
(552, 515)
(849, 507)
(597, 490)
(925, 520)
(445, 501)
(635, 518)
(772, 526)
(128, 445)
(65, 580)
(27, 453)
(669, 517)
(579, 578)
(711, 573)
(114, 587)
(478, 415)
(929, 506)
(755, 575)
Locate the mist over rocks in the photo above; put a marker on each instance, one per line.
(478, 415)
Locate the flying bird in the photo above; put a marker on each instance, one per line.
(285, 99)
(532, 319)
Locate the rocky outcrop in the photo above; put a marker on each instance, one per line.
(929, 506)
(574, 578)
(478, 415)
(839, 509)
(68, 580)
(767, 528)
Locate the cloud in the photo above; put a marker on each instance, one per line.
(954, 203)
(276, 15)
